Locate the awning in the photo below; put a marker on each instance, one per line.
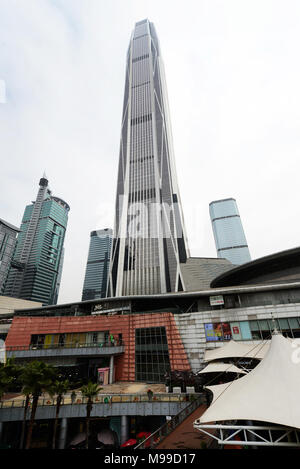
(269, 393)
(219, 367)
(235, 349)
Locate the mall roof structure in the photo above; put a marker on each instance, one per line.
(279, 267)
(268, 394)
(235, 349)
(220, 367)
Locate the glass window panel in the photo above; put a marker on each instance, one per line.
(256, 335)
(151, 365)
(254, 326)
(245, 330)
(264, 326)
(293, 322)
(284, 324)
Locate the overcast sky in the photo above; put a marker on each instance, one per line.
(233, 77)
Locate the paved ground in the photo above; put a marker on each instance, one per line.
(115, 388)
(185, 436)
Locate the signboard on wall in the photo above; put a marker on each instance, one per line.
(216, 300)
(217, 331)
(236, 331)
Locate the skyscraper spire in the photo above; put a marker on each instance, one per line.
(149, 236)
(37, 261)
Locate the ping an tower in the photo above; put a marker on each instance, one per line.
(149, 242)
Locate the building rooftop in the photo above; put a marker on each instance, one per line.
(198, 272)
(9, 225)
(283, 266)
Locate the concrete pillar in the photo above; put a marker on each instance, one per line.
(124, 428)
(63, 434)
(111, 369)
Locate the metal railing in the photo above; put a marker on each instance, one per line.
(161, 433)
(17, 348)
(100, 399)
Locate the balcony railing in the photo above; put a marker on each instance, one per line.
(102, 399)
(12, 348)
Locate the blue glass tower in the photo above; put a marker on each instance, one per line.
(37, 262)
(97, 268)
(228, 231)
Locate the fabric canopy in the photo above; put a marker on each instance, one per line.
(269, 393)
(219, 367)
(235, 349)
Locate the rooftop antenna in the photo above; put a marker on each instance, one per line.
(275, 330)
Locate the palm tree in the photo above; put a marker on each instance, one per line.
(5, 381)
(59, 388)
(26, 406)
(9, 374)
(89, 391)
(9, 379)
(36, 377)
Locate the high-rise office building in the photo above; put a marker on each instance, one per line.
(228, 231)
(96, 274)
(149, 235)
(37, 261)
(8, 238)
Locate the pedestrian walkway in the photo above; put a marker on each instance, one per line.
(185, 436)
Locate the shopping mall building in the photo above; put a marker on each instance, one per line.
(140, 338)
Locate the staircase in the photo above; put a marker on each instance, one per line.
(156, 439)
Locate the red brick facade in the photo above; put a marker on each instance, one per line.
(23, 327)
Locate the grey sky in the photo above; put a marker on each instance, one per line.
(233, 74)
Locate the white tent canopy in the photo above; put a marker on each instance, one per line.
(235, 349)
(219, 367)
(269, 393)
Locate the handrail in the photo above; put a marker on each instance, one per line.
(109, 399)
(168, 427)
(15, 348)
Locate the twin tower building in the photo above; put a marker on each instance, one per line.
(147, 250)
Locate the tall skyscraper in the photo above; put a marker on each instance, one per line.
(96, 274)
(37, 261)
(149, 235)
(8, 238)
(228, 231)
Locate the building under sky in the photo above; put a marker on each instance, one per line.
(228, 231)
(96, 273)
(37, 262)
(8, 235)
(149, 237)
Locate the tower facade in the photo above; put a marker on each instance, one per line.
(228, 231)
(96, 273)
(8, 238)
(149, 236)
(35, 269)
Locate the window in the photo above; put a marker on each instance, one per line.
(255, 330)
(295, 326)
(252, 330)
(151, 354)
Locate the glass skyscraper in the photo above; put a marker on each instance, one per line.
(8, 238)
(37, 261)
(228, 231)
(149, 236)
(96, 274)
